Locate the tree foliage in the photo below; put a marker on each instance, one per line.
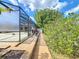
(4, 10)
(45, 16)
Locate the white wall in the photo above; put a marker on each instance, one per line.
(9, 21)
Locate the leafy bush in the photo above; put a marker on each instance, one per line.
(62, 33)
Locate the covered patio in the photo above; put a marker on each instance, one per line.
(15, 24)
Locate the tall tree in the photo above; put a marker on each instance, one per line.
(47, 15)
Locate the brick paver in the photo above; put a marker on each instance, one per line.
(28, 46)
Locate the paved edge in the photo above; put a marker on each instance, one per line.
(41, 50)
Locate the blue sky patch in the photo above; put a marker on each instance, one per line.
(30, 6)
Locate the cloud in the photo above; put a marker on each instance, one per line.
(14, 2)
(60, 5)
(73, 10)
(32, 7)
(39, 4)
(42, 4)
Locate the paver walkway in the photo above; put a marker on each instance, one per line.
(32, 48)
(27, 46)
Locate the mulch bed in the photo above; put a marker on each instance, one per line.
(14, 54)
(2, 49)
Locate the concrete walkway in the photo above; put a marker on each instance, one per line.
(41, 51)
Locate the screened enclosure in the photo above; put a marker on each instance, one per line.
(15, 24)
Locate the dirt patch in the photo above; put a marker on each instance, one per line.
(1, 49)
(14, 54)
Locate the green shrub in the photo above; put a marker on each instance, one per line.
(62, 32)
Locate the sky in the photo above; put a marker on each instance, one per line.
(30, 6)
